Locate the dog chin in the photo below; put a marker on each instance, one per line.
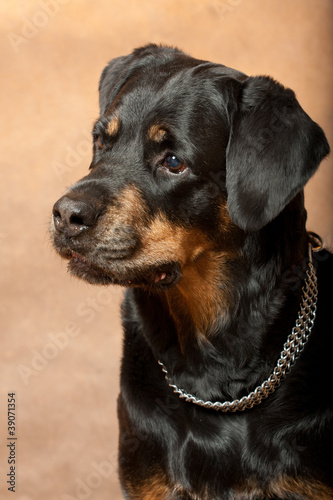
(81, 269)
(161, 278)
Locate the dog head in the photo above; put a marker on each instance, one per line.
(188, 158)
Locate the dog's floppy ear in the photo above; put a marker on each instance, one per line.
(273, 150)
(121, 69)
(118, 72)
(113, 77)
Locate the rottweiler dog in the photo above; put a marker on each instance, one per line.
(194, 203)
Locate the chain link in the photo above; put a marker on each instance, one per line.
(292, 349)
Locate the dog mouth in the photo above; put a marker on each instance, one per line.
(161, 276)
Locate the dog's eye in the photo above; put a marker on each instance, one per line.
(173, 164)
(100, 141)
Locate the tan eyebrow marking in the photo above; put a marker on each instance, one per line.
(113, 126)
(157, 133)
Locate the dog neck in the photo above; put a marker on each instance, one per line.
(225, 309)
(200, 298)
(227, 292)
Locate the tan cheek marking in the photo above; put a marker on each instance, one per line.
(132, 206)
(113, 126)
(163, 241)
(157, 133)
(198, 297)
(129, 209)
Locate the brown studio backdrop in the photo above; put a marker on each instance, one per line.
(60, 338)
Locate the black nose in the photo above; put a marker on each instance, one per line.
(71, 216)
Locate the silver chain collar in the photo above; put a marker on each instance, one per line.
(292, 349)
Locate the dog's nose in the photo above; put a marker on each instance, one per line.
(72, 217)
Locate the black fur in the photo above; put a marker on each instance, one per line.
(245, 149)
